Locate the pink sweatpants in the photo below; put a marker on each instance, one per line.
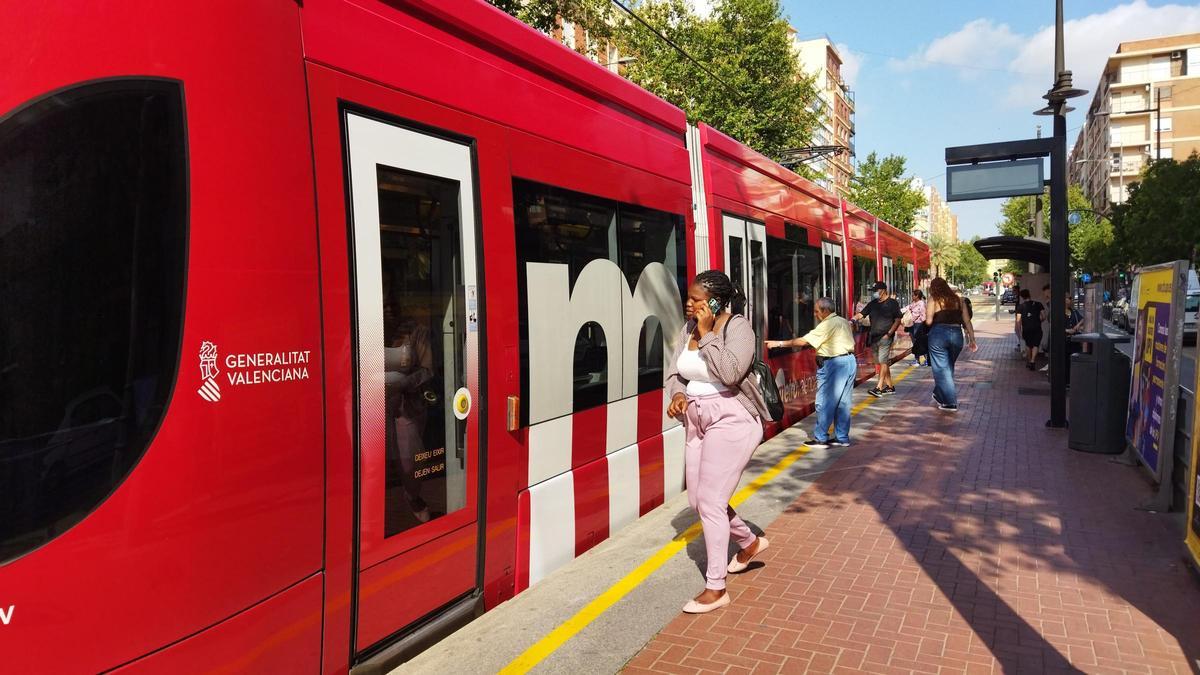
(721, 437)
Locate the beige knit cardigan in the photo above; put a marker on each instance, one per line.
(729, 352)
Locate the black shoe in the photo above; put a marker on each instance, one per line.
(816, 445)
(839, 444)
(947, 408)
(1031, 366)
(889, 390)
(876, 392)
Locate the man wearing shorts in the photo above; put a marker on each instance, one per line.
(884, 314)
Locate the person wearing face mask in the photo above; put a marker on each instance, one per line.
(884, 315)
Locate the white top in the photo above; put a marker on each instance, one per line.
(694, 369)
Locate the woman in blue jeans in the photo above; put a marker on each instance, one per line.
(946, 320)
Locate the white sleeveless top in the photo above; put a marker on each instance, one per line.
(694, 369)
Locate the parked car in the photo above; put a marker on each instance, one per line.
(1008, 297)
(1119, 317)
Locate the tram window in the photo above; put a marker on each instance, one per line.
(559, 226)
(650, 355)
(419, 222)
(93, 228)
(794, 272)
(591, 367)
(864, 278)
(648, 236)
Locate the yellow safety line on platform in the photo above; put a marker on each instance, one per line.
(569, 628)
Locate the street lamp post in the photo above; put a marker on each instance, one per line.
(1057, 98)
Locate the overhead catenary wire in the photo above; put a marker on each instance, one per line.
(625, 8)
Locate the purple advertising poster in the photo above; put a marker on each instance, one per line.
(1147, 392)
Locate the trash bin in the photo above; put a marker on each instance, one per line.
(1099, 395)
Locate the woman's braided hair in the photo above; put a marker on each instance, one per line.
(720, 288)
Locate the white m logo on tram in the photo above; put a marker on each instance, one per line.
(601, 295)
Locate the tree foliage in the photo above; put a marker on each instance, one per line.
(1161, 219)
(597, 15)
(882, 189)
(943, 254)
(970, 267)
(1090, 241)
(759, 95)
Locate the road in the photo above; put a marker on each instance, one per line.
(984, 306)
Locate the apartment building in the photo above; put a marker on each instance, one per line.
(935, 218)
(834, 106)
(1146, 106)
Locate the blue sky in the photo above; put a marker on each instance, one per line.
(933, 73)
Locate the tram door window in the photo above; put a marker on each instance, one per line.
(864, 278)
(832, 275)
(888, 276)
(795, 273)
(93, 231)
(416, 329)
(746, 259)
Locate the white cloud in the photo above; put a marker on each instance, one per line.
(851, 63)
(984, 44)
(1089, 41)
(979, 45)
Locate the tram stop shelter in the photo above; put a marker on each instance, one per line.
(1025, 249)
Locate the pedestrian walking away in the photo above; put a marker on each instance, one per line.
(1030, 314)
(833, 338)
(883, 314)
(717, 397)
(1016, 289)
(1044, 347)
(914, 320)
(947, 321)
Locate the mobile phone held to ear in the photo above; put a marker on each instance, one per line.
(714, 306)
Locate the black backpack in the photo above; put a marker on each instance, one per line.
(766, 382)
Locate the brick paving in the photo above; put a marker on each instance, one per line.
(968, 543)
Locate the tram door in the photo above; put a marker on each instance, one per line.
(746, 264)
(833, 274)
(413, 259)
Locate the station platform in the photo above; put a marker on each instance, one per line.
(938, 542)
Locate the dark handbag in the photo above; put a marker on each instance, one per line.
(766, 382)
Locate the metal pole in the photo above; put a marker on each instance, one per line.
(1058, 266)
(1058, 239)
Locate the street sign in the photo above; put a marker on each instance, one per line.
(1008, 278)
(1087, 278)
(994, 179)
(1073, 218)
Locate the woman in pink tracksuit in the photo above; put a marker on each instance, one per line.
(717, 398)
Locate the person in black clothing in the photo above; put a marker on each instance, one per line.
(1029, 321)
(884, 314)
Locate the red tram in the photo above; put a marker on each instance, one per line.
(329, 325)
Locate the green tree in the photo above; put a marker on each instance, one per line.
(597, 16)
(759, 95)
(750, 86)
(1160, 221)
(882, 188)
(970, 267)
(943, 254)
(1089, 241)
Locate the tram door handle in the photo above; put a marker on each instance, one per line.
(514, 413)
